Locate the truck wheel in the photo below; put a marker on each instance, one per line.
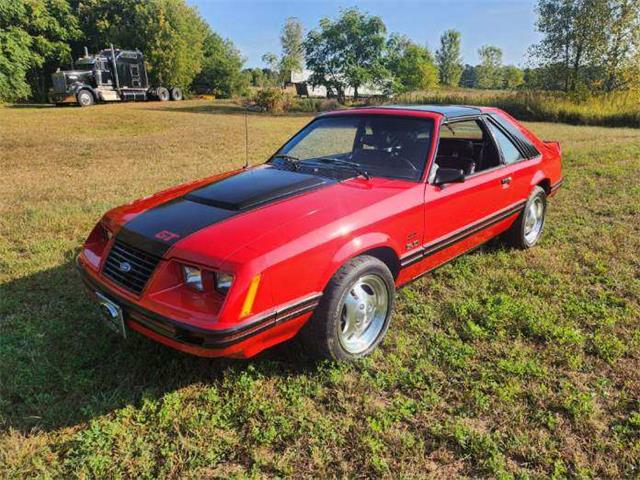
(176, 94)
(527, 229)
(162, 94)
(354, 312)
(85, 98)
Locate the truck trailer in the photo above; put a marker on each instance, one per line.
(113, 75)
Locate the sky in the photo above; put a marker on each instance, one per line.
(254, 25)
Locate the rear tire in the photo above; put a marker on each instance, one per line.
(527, 229)
(176, 94)
(162, 94)
(85, 98)
(354, 312)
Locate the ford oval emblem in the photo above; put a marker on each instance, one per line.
(125, 267)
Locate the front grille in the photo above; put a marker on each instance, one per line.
(59, 83)
(140, 266)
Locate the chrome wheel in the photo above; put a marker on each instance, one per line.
(363, 313)
(85, 99)
(533, 220)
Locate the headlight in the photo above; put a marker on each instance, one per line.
(201, 280)
(193, 277)
(223, 282)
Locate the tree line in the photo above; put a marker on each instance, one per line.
(355, 50)
(587, 45)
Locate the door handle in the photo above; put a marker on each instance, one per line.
(505, 181)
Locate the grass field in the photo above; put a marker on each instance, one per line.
(501, 364)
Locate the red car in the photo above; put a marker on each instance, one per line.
(318, 239)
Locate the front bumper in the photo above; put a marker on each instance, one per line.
(62, 98)
(243, 340)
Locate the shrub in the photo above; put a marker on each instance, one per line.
(273, 100)
(312, 105)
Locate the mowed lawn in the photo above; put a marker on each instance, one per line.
(502, 363)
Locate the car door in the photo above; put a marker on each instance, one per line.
(460, 216)
(518, 170)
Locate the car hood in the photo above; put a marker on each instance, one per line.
(208, 221)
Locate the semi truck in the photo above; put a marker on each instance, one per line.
(112, 75)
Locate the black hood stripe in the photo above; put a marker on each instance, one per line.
(156, 230)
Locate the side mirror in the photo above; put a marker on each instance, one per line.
(448, 175)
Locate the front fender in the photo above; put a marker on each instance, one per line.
(83, 86)
(357, 246)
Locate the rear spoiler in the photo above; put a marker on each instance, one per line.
(554, 145)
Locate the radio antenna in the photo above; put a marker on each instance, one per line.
(246, 140)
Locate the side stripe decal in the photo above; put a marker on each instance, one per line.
(438, 245)
(556, 186)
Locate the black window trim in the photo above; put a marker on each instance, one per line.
(518, 143)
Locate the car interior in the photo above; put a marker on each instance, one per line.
(402, 146)
(466, 146)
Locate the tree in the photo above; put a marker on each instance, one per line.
(469, 77)
(270, 60)
(512, 77)
(449, 59)
(412, 66)
(32, 34)
(222, 67)
(292, 58)
(347, 52)
(271, 74)
(621, 65)
(489, 72)
(255, 76)
(587, 43)
(169, 32)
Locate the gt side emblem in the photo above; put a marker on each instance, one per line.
(124, 267)
(412, 242)
(166, 235)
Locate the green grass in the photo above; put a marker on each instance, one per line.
(618, 109)
(502, 364)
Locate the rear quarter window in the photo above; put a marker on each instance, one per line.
(523, 143)
(510, 152)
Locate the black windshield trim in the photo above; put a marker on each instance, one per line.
(428, 156)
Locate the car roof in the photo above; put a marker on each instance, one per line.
(447, 111)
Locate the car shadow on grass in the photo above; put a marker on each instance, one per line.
(59, 366)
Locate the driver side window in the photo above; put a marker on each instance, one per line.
(466, 145)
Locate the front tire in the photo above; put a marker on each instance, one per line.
(354, 313)
(528, 228)
(85, 98)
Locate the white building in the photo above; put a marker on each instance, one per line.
(304, 88)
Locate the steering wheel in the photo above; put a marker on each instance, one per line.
(406, 161)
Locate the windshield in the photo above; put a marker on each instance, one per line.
(384, 146)
(84, 65)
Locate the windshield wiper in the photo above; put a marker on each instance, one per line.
(354, 166)
(289, 160)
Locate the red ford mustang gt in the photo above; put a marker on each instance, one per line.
(318, 239)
